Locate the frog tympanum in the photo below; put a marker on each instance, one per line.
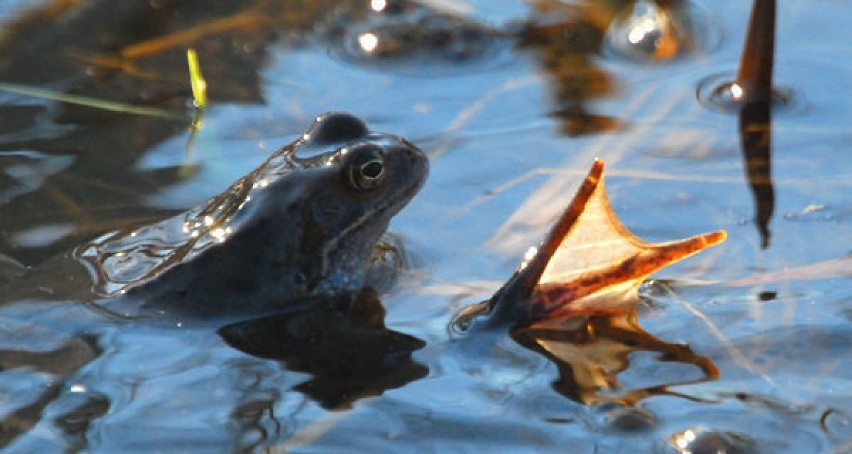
(303, 223)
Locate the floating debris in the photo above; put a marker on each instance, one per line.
(588, 264)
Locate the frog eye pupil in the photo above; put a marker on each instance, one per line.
(368, 170)
(372, 169)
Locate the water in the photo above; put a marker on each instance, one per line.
(512, 115)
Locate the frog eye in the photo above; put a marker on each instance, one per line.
(367, 169)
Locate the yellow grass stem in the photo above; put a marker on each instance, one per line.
(196, 79)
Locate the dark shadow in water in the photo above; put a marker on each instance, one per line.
(131, 52)
(754, 78)
(257, 424)
(342, 341)
(59, 363)
(590, 353)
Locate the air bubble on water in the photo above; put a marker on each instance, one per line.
(651, 32)
(722, 93)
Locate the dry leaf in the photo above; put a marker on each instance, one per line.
(588, 263)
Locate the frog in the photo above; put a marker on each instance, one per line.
(302, 224)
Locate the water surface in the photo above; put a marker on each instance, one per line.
(512, 101)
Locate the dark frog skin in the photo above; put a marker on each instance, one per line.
(304, 223)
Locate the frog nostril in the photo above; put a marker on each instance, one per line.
(335, 127)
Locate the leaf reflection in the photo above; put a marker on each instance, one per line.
(590, 352)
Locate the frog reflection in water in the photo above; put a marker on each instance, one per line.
(303, 223)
